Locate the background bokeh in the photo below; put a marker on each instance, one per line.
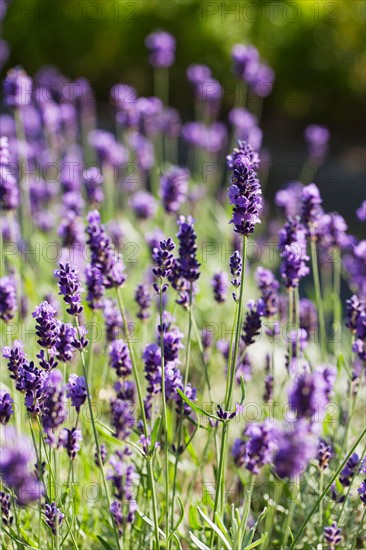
(316, 49)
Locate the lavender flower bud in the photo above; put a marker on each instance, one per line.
(332, 535)
(54, 517)
(8, 299)
(220, 283)
(70, 287)
(69, 440)
(119, 358)
(6, 407)
(47, 327)
(143, 300)
(76, 391)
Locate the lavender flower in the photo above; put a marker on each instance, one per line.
(6, 515)
(71, 230)
(356, 322)
(317, 138)
(9, 193)
(124, 478)
(308, 396)
(54, 411)
(252, 324)
(260, 446)
(70, 287)
(103, 255)
(122, 418)
(308, 316)
(295, 449)
(362, 491)
(64, 345)
(47, 327)
(332, 535)
(54, 517)
(95, 286)
(17, 88)
(162, 47)
(69, 440)
(6, 407)
(119, 358)
(244, 191)
(361, 212)
(76, 391)
(235, 270)
(349, 470)
(163, 260)
(143, 204)
(239, 452)
(269, 288)
(289, 199)
(143, 300)
(113, 320)
(174, 188)
(8, 299)
(220, 283)
(93, 181)
(324, 454)
(186, 267)
(311, 211)
(292, 244)
(16, 458)
(103, 454)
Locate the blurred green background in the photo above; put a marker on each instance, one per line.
(315, 47)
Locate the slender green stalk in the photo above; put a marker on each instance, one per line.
(321, 483)
(337, 303)
(161, 84)
(25, 209)
(165, 417)
(272, 508)
(334, 476)
(219, 477)
(143, 416)
(96, 440)
(361, 526)
(289, 518)
(248, 500)
(319, 301)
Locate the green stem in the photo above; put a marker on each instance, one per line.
(165, 417)
(143, 416)
(334, 476)
(362, 523)
(272, 512)
(219, 477)
(96, 440)
(337, 303)
(321, 483)
(319, 301)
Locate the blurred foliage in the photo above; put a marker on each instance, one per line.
(315, 47)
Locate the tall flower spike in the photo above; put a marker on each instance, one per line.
(332, 535)
(219, 283)
(245, 190)
(54, 516)
(9, 192)
(6, 407)
(174, 188)
(143, 300)
(8, 299)
(311, 210)
(70, 287)
(186, 267)
(292, 245)
(47, 327)
(163, 260)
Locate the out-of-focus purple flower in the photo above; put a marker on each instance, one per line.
(71, 230)
(123, 419)
(103, 255)
(332, 535)
(143, 300)
(143, 204)
(69, 440)
(296, 447)
(9, 193)
(308, 316)
(268, 388)
(259, 446)
(171, 123)
(76, 391)
(361, 212)
(8, 299)
(349, 470)
(70, 287)
(123, 95)
(309, 395)
(113, 320)
(212, 138)
(197, 74)
(54, 517)
(292, 244)
(242, 55)
(124, 479)
(317, 138)
(47, 327)
(333, 231)
(54, 412)
(174, 188)
(324, 454)
(245, 190)
(220, 284)
(355, 266)
(246, 129)
(143, 150)
(16, 358)
(17, 88)
(172, 339)
(16, 463)
(253, 323)
(289, 199)
(248, 67)
(6, 407)
(6, 515)
(103, 454)
(269, 288)
(93, 181)
(311, 210)
(239, 452)
(119, 358)
(149, 112)
(108, 150)
(162, 47)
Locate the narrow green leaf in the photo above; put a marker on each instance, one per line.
(104, 542)
(215, 528)
(155, 432)
(180, 519)
(257, 542)
(195, 407)
(150, 522)
(242, 386)
(193, 518)
(197, 542)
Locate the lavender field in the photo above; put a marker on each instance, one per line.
(183, 359)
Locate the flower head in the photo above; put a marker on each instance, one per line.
(162, 47)
(8, 299)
